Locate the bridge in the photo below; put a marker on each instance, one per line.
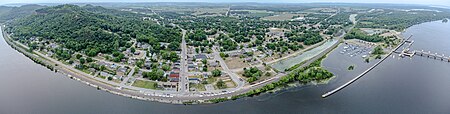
(408, 53)
(429, 54)
(371, 68)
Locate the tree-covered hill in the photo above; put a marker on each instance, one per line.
(90, 29)
(4, 10)
(9, 13)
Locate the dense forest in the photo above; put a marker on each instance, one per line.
(308, 37)
(9, 13)
(90, 29)
(4, 10)
(358, 34)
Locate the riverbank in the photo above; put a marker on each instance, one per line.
(59, 67)
(395, 82)
(289, 80)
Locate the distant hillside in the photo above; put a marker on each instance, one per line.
(90, 29)
(9, 13)
(4, 10)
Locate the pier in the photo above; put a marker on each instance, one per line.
(368, 70)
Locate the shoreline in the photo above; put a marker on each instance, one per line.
(83, 79)
(186, 100)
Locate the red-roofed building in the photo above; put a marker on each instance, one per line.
(174, 77)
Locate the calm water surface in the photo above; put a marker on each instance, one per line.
(417, 85)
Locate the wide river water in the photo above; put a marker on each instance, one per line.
(417, 85)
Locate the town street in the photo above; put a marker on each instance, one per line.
(183, 84)
(240, 83)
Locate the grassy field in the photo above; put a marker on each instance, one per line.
(230, 84)
(235, 62)
(102, 77)
(198, 87)
(145, 84)
(209, 11)
(197, 11)
(321, 10)
(282, 17)
(257, 13)
(211, 80)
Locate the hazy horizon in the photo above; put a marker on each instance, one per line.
(422, 2)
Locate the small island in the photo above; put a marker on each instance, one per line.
(351, 67)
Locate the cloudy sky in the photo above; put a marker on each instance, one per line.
(427, 2)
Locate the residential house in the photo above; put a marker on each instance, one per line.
(201, 57)
(248, 59)
(148, 64)
(194, 80)
(168, 84)
(113, 66)
(236, 54)
(122, 71)
(174, 77)
(213, 64)
(117, 77)
(191, 67)
(205, 76)
(176, 69)
(92, 70)
(105, 74)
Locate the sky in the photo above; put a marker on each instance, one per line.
(425, 2)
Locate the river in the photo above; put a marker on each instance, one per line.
(417, 85)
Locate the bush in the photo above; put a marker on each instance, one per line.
(216, 73)
(110, 78)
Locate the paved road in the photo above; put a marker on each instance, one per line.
(339, 10)
(183, 85)
(125, 80)
(240, 83)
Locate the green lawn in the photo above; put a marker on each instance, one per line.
(198, 87)
(102, 77)
(230, 84)
(145, 84)
(211, 80)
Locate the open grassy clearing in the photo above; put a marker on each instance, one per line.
(198, 87)
(256, 13)
(282, 17)
(235, 62)
(145, 84)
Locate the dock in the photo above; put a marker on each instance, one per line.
(366, 71)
